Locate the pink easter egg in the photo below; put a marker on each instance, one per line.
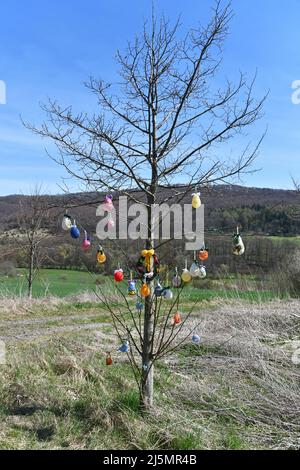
(86, 244)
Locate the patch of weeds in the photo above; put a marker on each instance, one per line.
(186, 441)
(45, 433)
(193, 350)
(130, 400)
(232, 440)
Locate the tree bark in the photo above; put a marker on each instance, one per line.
(147, 365)
(147, 377)
(30, 273)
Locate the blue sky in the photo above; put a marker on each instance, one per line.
(50, 48)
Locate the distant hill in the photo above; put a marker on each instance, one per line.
(216, 198)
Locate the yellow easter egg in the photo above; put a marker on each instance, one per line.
(101, 258)
(186, 276)
(196, 201)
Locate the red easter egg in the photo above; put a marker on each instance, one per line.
(119, 275)
(177, 319)
(109, 361)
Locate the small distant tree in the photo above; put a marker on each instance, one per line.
(32, 216)
(166, 118)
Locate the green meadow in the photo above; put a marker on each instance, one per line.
(63, 283)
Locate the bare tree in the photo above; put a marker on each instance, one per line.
(32, 216)
(165, 119)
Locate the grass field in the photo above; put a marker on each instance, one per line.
(275, 239)
(62, 283)
(238, 390)
(55, 282)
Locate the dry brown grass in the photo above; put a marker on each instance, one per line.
(244, 373)
(238, 390)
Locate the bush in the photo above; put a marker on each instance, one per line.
(8, 268)
(286, 277)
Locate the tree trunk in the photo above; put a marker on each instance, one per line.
(30, 273)
(147, 365)
(147, 359)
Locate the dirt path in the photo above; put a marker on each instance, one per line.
(12, 331)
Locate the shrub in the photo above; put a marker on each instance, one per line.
(8, 268)
(286, 277)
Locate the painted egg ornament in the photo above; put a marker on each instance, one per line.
(145, 290)
(139, 306)
(119, 275)
(66, 223)
(196, 339)
(195, 270)
(168, 294)
(239, 247)
(101, 256)
(196, 201)
(75, 232)
(158, 291)
(186, 276)
(108, 203)
(86, 244)
(203, 255)
(202, 274)
(132, 288)
(109, 360)
(124, 348)
(176, 319)
(176, 281)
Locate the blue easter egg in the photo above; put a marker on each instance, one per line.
(124, 348)
(196, 339)
(75, 232)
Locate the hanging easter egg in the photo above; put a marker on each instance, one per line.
(145, 290)
(109, 360)
(239, 247)
(158, 291)
(168, 294)
(132, 288)
(124, 348)
(139, 306)
(195, 270)
(176, 281)
(196, 339)
(186, 275)
(176, 319)
(119, 275)
(86, 244)
(75, 232)
(203, 255)
(101, 256)
(108, 203)
(196, 201)
(66, 223)
(202, 273)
